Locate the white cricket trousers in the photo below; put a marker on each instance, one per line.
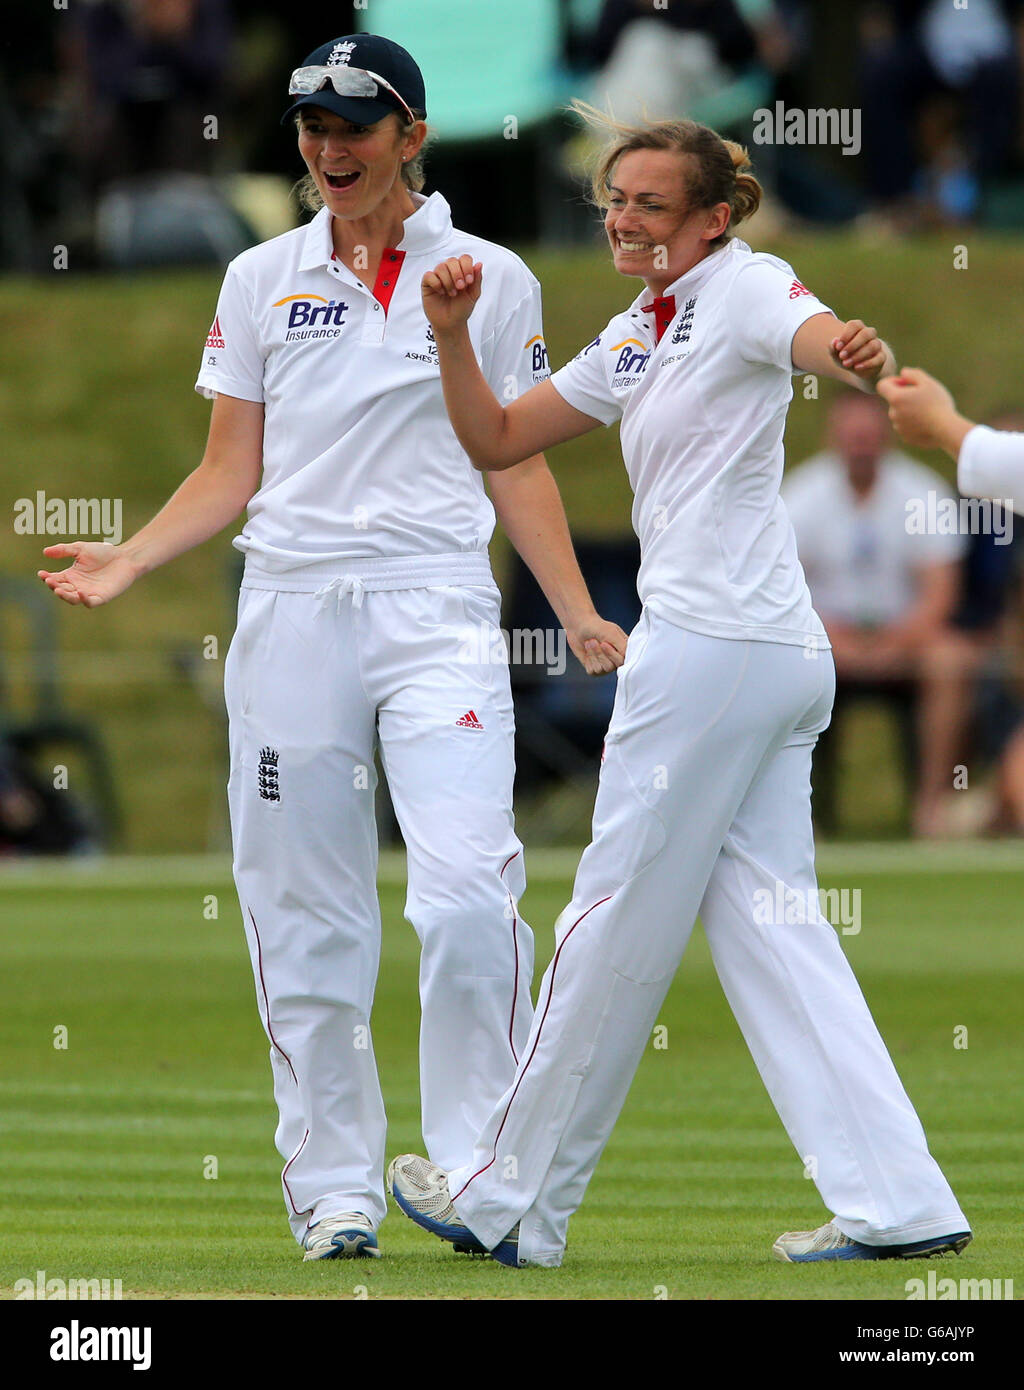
(704, 806)
(321, 666)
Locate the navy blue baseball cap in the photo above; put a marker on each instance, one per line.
(346, 63)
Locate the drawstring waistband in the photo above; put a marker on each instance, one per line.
(343, 585)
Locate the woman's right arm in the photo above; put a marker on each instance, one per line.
(209, 498)
(493, 436)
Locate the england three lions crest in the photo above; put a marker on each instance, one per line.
(266, 775)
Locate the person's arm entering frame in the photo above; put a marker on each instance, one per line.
(990, 463)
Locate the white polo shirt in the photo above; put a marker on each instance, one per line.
(359, 458)
(703, 412)
(864, 556)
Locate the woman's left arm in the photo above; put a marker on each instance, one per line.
(529, 507)
(849, 352)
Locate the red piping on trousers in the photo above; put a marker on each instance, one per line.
(291, 1200)
(536, 1043)
(515, 947)
(266, 1001)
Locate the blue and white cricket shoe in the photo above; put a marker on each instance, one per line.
(421, 1190)
(347, 1236)
(829, 1243)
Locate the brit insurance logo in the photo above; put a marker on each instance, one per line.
(538, 356)
(312, 316)
(631, 362)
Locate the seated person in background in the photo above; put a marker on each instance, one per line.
(19, 808)
(970, 703)
(657, 62)
(883, 582)
(145, 74)
(990, 464)
(34, 818)
(939, 86)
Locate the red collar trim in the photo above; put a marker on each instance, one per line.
(664, 311)
(387, 275)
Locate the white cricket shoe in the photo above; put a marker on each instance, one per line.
(829, 1243)
(346, 1236)
(421, 1190)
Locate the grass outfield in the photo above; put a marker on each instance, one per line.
(105, 1142)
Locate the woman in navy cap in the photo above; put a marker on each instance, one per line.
(368, 616)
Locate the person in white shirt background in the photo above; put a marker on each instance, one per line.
(367, 613)
(989, 464)
(703, 802)
(884, 585)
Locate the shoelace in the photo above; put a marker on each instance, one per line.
(343, 585)
(323, 1232)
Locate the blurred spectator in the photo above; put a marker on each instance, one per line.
(146, 74)
(35, 819)
(940, 91)
(151, 83)
(658, 62)
(34, 181)
(1007, 806)
(716, 63)
(975, 693)
(884, 590)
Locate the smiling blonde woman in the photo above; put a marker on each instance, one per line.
(703, 804)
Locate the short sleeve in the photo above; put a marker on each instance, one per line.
(585, 384)
(766, 305)
(233, 358)
(515, 358)
(991, 464)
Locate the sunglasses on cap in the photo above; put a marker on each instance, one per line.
(346, 81)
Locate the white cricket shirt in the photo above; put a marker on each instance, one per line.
(359, 458)
(864, 556)
(703, 412)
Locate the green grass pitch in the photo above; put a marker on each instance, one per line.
(106, 1140)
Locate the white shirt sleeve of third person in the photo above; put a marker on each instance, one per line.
(766, 305)
(233, 358)
(585, 383)
(991, 464)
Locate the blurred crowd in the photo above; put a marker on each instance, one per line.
(109, 97)
(136, 132)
